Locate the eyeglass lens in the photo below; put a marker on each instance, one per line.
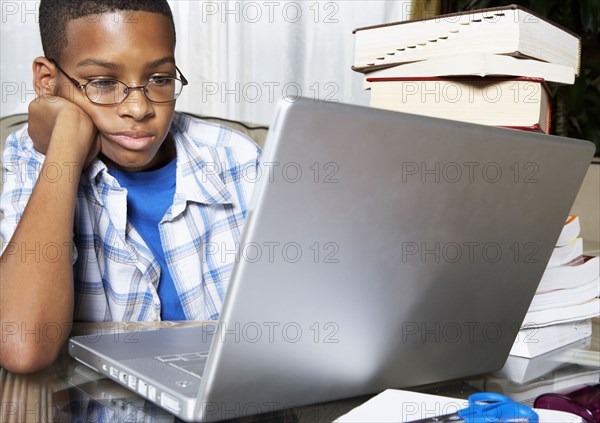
(160, 90)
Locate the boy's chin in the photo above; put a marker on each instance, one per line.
(128, 164)
(151, 157)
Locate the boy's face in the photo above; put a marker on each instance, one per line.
(132, 48)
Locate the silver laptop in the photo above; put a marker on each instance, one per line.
(381, 250)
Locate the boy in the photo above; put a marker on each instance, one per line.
(133, 211)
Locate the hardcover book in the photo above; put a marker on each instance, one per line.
(522, 103)
(478, 64)
(508, 30)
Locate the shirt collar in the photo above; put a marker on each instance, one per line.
(198, 173)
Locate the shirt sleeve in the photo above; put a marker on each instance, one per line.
(21, 169)
(21, 166)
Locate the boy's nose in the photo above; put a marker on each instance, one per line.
(136, 104)
(128, 90)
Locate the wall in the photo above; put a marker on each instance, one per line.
(587, 207)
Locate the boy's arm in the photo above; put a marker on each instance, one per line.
(37, 287)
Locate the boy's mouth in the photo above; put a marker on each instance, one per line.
(132, 140)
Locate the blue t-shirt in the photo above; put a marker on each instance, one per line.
(149, 196)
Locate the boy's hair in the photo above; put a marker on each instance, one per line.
(55, 14)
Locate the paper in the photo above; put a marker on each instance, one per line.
(404, 406)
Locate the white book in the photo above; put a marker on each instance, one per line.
(511, 30)
(565, 297)
(570, 275)
(571, 230)
(566, 253)
(537, 341)
(478, 64)
(573, 313)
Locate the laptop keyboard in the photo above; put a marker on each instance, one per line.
(191, 363)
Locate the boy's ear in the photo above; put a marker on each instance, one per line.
(45, 76)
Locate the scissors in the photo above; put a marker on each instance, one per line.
(488, 407)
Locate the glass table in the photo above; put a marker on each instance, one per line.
(68, 391)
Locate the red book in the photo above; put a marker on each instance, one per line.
(521, 102)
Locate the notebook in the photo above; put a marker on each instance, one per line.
(381, 250)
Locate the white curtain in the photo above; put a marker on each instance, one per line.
(19, 44)
(240, 57)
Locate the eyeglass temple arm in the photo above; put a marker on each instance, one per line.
(183, 80)
(74, 81)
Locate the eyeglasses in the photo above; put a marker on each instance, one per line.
(158, 89)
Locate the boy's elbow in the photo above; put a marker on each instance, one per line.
(28, 357)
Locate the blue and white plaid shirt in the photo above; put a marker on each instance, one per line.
(115, 274)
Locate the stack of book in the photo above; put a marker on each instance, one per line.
(489, 66)
(566, 299)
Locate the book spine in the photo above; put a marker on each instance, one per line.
(534, 128)
(466, 78)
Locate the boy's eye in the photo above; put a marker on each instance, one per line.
(104, 84)
(161, 80)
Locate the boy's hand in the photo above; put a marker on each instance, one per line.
(48, 114)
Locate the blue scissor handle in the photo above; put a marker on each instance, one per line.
(490, 407)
